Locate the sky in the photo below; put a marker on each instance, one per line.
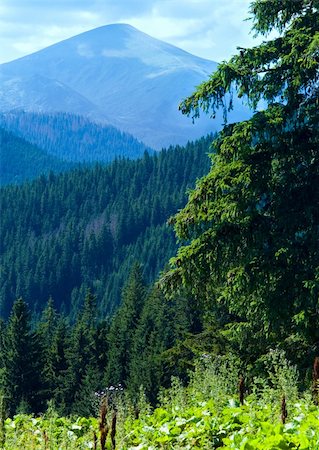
(211, 29)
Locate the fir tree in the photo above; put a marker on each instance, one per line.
(250, 228)
(82, 357)
(21, 381)
(122, 328)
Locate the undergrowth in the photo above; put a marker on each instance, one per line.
(206, 414)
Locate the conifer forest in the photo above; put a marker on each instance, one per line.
(167, 299)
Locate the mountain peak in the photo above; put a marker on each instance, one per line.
(115, 74)
(117, 26)
(121, 40)
(113, 30)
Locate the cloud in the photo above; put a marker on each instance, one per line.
(207, 28)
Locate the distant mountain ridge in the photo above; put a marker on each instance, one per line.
(20, 160)
(118, 75)
(73, 138)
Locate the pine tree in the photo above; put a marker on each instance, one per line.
(46, 332)
(150, 339)
(21, 358)
(122, 328)
(251, 226)
(60, 365)
(82, 356)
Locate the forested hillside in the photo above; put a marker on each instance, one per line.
(20, 160)
(222, 351)
(66, 363)
(73, 138)
(63, 233)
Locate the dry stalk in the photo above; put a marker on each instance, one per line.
(241, 388)
(284, 412)
(104, 429)
(46, 440)
(315, 380)
(113, 429)
(94, 441)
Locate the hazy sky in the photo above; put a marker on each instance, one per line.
(208, 28)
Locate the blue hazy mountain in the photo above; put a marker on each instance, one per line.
(20, 160)
(73, 138)
(117, 75)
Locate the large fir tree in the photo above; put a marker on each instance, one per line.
(251, 226)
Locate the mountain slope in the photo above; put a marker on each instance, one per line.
(20, 160)
(116, 74)
(86, 227)
(73, 138)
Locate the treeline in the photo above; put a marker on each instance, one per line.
(54, 361)
(21, 161)
(65, 233)
(73, 138)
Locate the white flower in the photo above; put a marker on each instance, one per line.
(164, 428)
(71, 435)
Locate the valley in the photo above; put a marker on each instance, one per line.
(159, 228)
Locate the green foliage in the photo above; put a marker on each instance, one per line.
(65, 233)
(206, 414)
(284, 68)
(20, 362)
(151, 338)
(216, 378)
(250, 228)
(246, 427)
(122, 329)
(203, 415)
(247, 273)
(196, 427)
(278, 377)
(66, 364)
(51, 431)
